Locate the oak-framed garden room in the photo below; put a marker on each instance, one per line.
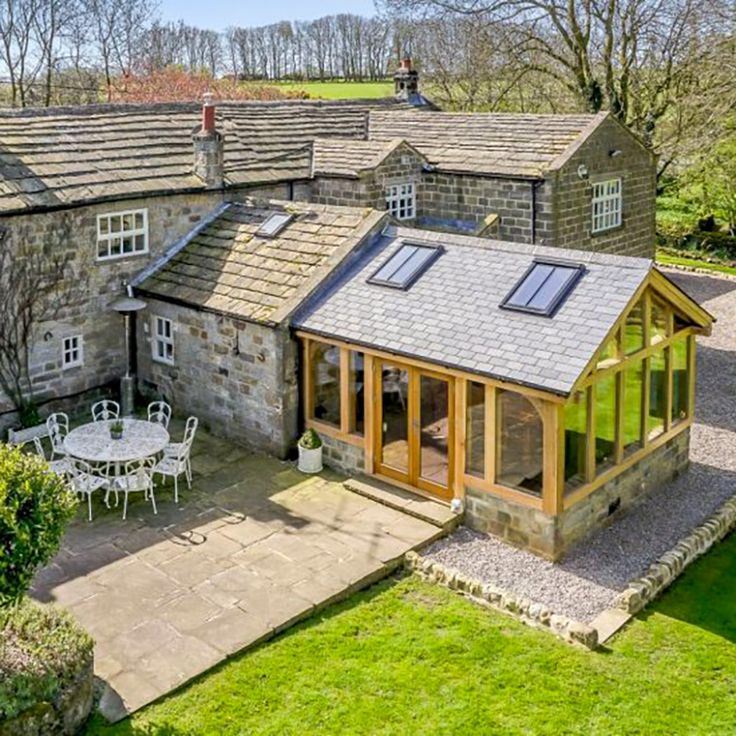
(510, 449)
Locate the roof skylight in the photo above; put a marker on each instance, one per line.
(406, 265)
(274, 224)
(543, 287)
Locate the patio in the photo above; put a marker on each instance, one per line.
(251, 549)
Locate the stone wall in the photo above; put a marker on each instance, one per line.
(473, 198)
(239, 378)
(403, 165)
(549, 536)
(73, 233)
(343, 456)
(573, 195)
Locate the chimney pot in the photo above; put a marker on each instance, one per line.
(208, 114)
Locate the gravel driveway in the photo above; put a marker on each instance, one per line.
(590, 576)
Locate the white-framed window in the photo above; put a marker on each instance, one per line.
(72, 351)
(163, 340)
(121, 234)
(606, 205)
(400, 200)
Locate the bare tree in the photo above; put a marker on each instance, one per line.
(37, 283)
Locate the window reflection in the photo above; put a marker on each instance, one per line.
(519, 443)
(325, 362)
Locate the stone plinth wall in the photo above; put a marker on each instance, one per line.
(343, 456)
(529, 528)
(64, 716)
(239, 378)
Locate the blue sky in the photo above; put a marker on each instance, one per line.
(218, 14)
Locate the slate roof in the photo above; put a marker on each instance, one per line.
(225, 266)
(507, 144)
(62, 156)
(451, 315)
(348, 157)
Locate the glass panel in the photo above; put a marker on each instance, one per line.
(633, 405)
(657, 395)
(395, 429)
(104, 225)
(658, 326)
(434, 430)
(519, 443)
(605, 422)
(273, 224)
(530, 285)
(356, 382)
(128, 221)
(610, 353)
(325, 378)
(550, 291)
(475, 430)
(634, 330)
(395, 262)
(115, 224)
(576, 424)
(139, 220)
(679, 380)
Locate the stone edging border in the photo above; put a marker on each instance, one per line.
(696, 269)
(530, 613)
(662, 573)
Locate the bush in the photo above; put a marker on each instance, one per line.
(310, 440)
(42, 651)
(35, 507)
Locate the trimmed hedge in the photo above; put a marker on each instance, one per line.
(35, 507)
(43, 651)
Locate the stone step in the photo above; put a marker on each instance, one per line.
(412, 504)
(608, 622)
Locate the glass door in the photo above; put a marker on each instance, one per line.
(393, 406)
(414, 418)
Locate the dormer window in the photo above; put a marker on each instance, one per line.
(401, 201)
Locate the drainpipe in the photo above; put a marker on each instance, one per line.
(535, 184)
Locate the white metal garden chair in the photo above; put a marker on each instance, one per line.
(105, 409)
(159, 412)
(137, 478)
(57, 426)
(177, 460)
(85, 481)
(63, 466)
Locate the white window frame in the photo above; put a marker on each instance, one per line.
(162, 339)
(607, 205)
(401, 200)
(109, 238)
(72, 351)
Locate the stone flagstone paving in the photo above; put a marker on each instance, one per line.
(252, 548)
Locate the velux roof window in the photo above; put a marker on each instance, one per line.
(543, 288)
(406, 265)
(274, 224)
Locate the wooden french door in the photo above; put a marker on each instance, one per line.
(414, 420)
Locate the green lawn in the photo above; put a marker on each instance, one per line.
(340, 90)
(408, 658)
(667, 259)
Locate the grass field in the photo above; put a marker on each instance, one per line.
(408, 658)
(340, 90)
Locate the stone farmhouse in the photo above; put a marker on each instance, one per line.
(464, 305)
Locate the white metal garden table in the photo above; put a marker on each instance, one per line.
(93, 443)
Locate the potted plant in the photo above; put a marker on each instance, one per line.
(116, 430)
(310, 452)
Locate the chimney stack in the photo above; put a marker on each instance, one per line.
(209, 148)
(406, 80)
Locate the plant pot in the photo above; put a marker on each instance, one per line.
(310, 460)
(116, 435)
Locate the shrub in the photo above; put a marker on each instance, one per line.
(35, 506)
(42, 651)
(310, 440)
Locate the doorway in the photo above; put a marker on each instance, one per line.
(415, 426)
